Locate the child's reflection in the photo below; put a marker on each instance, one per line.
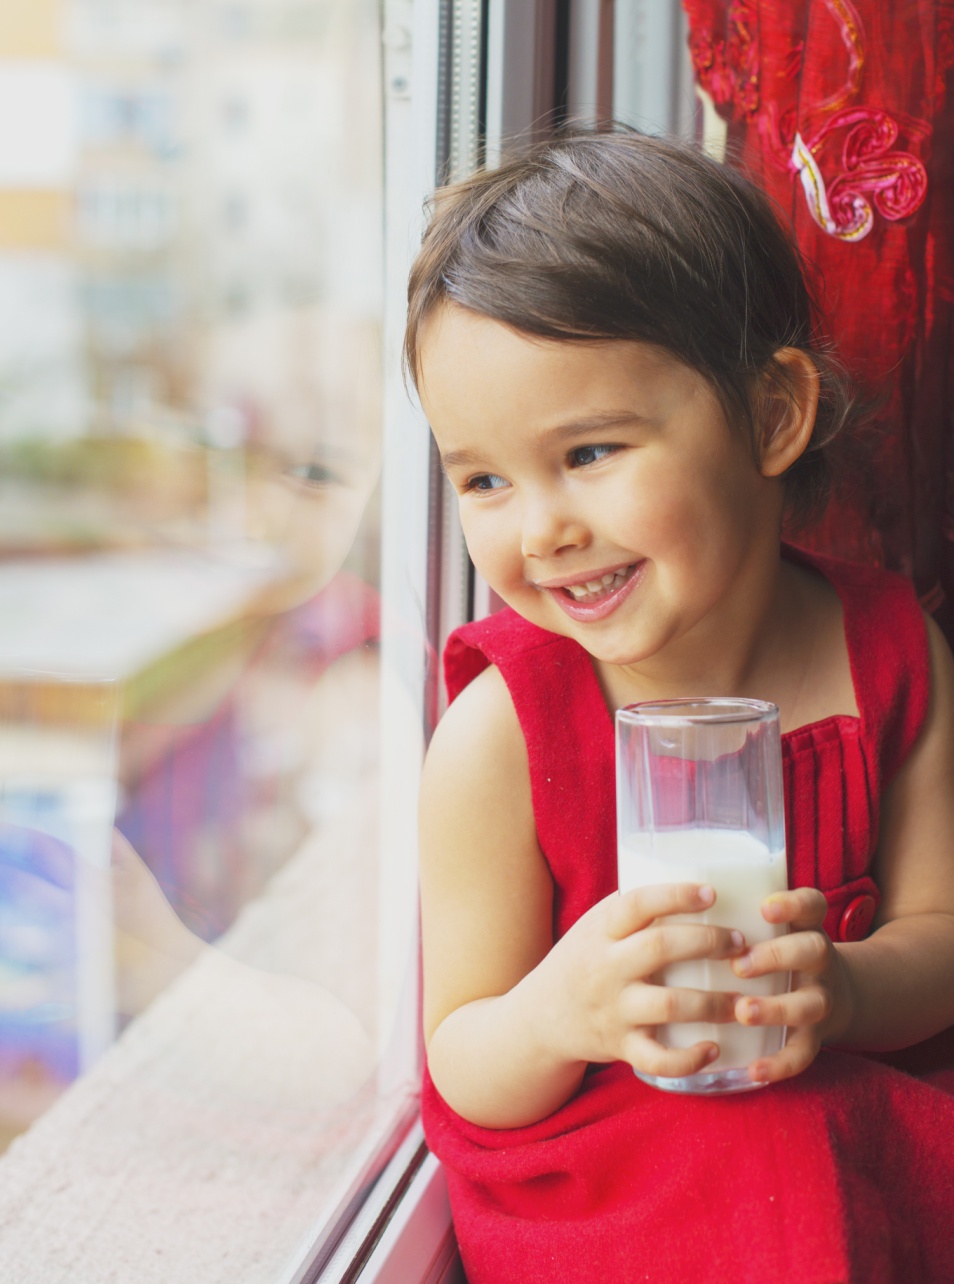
(153, 945)
(269, 753)
(237, 793)
(241, 1025)
(214, 799)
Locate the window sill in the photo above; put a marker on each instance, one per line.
(205, 1140)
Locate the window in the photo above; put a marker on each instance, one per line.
(211, 638)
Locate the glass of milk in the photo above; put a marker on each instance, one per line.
(699, 800)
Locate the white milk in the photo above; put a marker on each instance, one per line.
(743, 872)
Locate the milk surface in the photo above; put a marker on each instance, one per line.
(743, 873)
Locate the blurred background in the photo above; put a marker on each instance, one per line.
(190, 408)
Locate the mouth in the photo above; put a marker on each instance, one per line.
(598, 596)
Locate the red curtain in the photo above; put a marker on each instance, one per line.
(838, 108)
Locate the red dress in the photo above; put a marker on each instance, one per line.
(845, 1173)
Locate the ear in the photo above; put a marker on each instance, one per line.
(788, 402)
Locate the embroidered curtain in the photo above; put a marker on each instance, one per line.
(838, 109)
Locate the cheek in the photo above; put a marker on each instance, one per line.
(664, 510)
(318, 528)
(493, 549)
(697, 509)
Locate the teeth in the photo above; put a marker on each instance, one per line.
(613, 579)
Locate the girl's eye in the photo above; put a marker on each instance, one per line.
(315, 474)
(584, 455)
(485, 482)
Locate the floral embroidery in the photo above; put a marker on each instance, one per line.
(728, 69)
(852, 34)
(842, 154)
(872, 176)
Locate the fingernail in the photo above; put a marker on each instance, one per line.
(753, 1010)
(712, 1054)
(707, 894)
(744, 964)
(737, 939)
(758, 1074)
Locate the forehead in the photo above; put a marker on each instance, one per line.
(475, 372)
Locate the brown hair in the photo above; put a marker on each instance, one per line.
(611, 234)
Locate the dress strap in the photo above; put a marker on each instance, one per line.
(890, 663)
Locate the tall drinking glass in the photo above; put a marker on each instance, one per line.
(699, 799)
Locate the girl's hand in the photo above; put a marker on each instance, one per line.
(816, 998)
(605, 1004)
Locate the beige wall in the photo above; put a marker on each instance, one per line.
(33, 220)
(30, 28)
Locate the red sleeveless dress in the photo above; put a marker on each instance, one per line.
(845, 1173)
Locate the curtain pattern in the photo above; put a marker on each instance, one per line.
(839, 110)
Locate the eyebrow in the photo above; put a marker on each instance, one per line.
(560, 432)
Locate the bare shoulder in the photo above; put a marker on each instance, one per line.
(480, 728)
(486, 891)
(915, 853)
(931, 762)
(941, 705)
(932, 757)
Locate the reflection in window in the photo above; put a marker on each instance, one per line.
(190, 311)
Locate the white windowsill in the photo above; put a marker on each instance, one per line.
(204, 1142)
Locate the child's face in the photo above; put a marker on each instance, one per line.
(311, 406)
(602, 493)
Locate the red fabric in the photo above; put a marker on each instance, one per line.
(843, 1174)
(862, 85)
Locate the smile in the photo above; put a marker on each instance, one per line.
(595, 598)
(593, 590)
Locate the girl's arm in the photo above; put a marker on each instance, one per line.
(897, 987)
(512, 1020)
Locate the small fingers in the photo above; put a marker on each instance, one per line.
(656, 947)
(805, 1007)
(647, 1056)
(653, 1005)
(636, 909)
(802, 908)
(799, 1052)
(805, 951)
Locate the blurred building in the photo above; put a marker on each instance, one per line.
(171, 180)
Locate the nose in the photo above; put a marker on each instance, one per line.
(550, 527)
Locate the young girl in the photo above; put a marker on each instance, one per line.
(615, 350)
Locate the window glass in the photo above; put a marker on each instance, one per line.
(191, 307)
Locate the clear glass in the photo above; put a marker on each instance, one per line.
(700, 799)
(194, 993)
